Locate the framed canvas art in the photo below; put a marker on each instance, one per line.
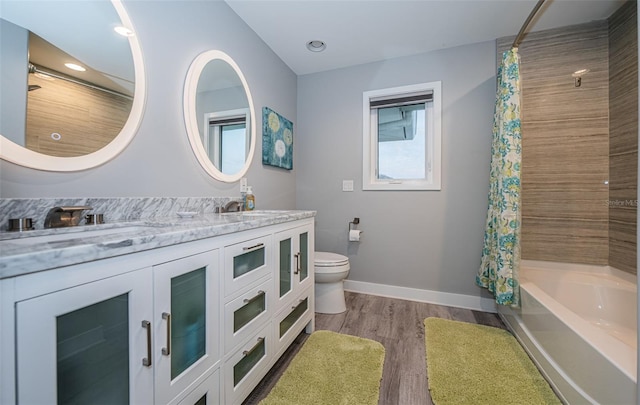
(277, 139)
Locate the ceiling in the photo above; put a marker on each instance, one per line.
(54, 28)
(363, 31)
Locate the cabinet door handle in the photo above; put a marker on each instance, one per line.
(254, 247)
(248, 300)
(297, 256)
(246, 352)
(147, 360)
(167, 317)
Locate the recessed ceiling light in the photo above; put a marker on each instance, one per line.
(73, 66)
(316, 46)
(124, 31)
(580, 72)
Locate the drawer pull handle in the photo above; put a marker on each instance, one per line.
(167, 350)
(296, 306)
(147, 360)
(248, 300)
(246, 352)
(297, 255)
(254, 247)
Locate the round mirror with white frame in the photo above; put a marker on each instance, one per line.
(98, 109)
(219, 116)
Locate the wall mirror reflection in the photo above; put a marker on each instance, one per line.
(219, 116)
(70, 71)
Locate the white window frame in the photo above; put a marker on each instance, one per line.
(208, 134)
(433, 141)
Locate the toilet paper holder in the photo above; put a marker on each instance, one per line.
(354, 234)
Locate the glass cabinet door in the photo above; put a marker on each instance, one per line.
(303, 255)
(284, 266)
(186, 332)
(187, 324)
(87, 344)
(93, 353)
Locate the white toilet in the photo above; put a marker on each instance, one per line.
(330, 271)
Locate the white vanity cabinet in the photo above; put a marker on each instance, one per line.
(192, 323)
(145, 336)
(87, 344)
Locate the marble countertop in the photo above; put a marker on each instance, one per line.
(31, 251)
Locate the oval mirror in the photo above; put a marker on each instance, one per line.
(72, 89)
(219, 116)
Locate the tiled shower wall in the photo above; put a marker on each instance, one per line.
(566, 148)
(623, 137)
(565, 144)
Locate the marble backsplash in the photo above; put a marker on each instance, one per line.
(113, 209)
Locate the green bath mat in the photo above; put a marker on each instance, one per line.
(331, 369)
(477, 364)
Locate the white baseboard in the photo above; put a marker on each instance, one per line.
(429, 296)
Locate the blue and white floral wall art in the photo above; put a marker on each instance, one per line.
(277, 140)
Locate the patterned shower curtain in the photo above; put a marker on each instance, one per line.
(501, 251)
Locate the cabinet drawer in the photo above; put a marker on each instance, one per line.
(288, 323)
(245, 263)
(245, 314)
(244, 369)
(207, 393)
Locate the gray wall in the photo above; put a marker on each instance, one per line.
(428, 239)
(159, 161)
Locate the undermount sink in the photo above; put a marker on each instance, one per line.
(68, 234)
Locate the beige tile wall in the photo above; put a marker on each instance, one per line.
(87, 119)
(623, 137)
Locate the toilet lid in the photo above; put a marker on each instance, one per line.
(330, 259)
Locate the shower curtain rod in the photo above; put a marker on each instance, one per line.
(34, 69)
(533, 13)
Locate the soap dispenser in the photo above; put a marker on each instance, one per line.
(250, 204)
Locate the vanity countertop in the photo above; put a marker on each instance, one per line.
(38, 250)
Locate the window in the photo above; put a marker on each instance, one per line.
(401, 138)
(226, 139)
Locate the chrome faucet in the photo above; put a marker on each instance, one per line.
(231, 206)
(59, 217)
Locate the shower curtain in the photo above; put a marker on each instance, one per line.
(501, 251)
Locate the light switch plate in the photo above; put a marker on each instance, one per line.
(347, 185)
(243, 185)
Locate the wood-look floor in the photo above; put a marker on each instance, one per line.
(399, 326)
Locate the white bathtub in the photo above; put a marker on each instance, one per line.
(579, 324)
